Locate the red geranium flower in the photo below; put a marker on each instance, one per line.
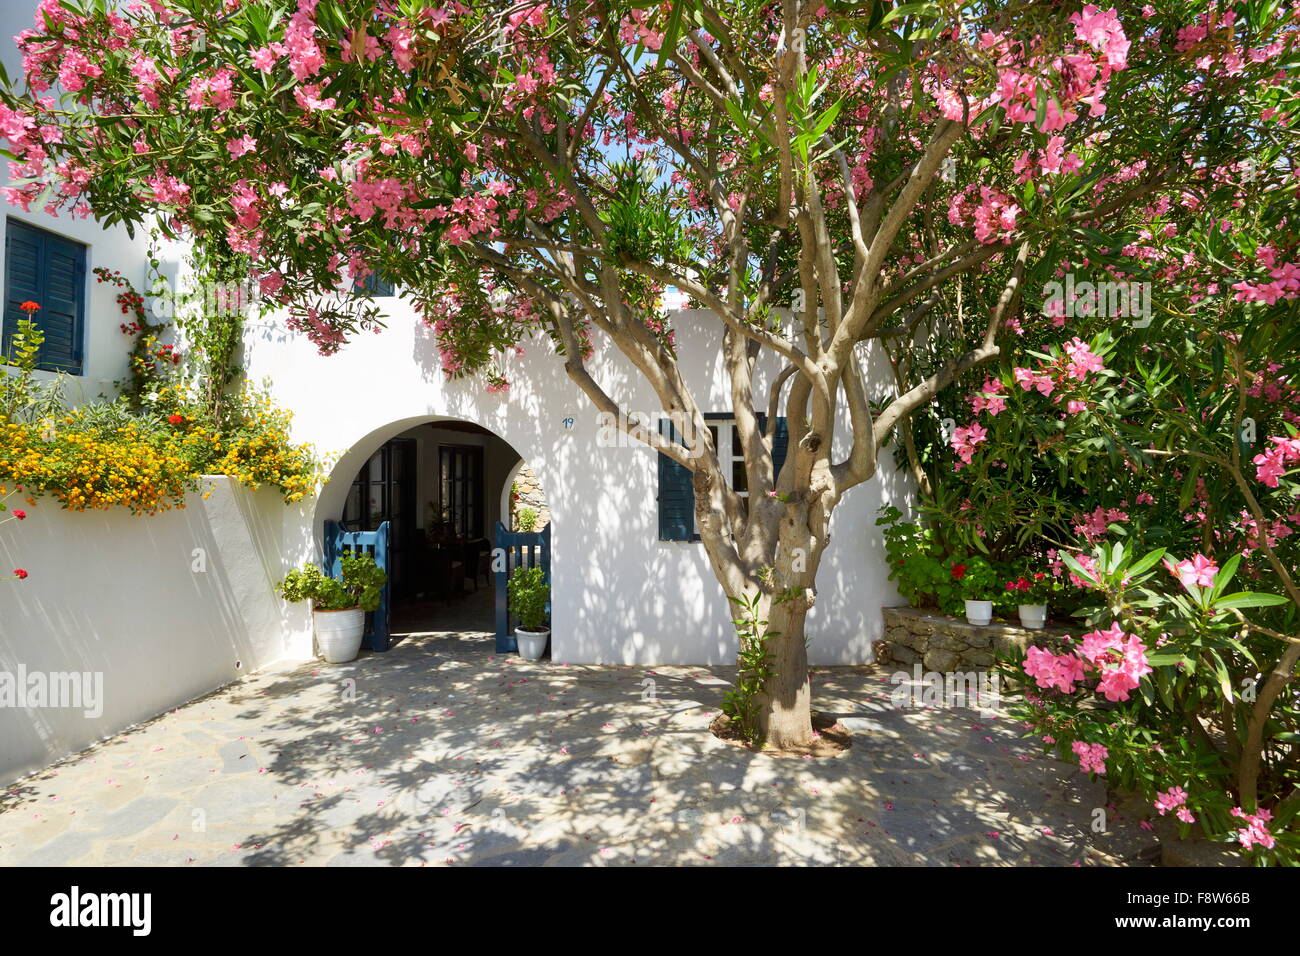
(29, 307)
(959, 571)
(20, 515)
(19, 573)
(175, 419)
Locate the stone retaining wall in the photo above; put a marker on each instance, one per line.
(531, 495)
(946, 644)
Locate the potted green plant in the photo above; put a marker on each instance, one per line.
(1029, 590)
(339, 605)
(529, 594)
(977, 580)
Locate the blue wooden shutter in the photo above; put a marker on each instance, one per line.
(676, 493)
(49, 270)
(22, 277)
(375, 286)
(780, 445)
(780, 441)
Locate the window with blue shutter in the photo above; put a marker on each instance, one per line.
(780, 441)
(677, 494)
(49, 270)
(375, 286)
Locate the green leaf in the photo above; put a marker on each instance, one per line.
(671, 33)
(1146, 562)
(1225, 575)
(1249, 599)
(1165, 658)
(910, 9)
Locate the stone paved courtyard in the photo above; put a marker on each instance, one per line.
(440, 752)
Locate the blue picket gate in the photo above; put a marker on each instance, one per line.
(516, 549)
(337, 542)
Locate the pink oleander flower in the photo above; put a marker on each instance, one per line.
(1101, 30)
(1048, 670)
(1120, 658)
(265, 58)
(1198, 571)
(1095, 644)
(1255, 833)
(1089, 565)
(1171, 799)
(965, 439)
(168, 189)
(1028, 379)
(1082, 359)
(989, 398)
(240, 145)
(1272, 464)
(1092, 757)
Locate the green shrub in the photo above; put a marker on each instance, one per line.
(361, 585)
(529, 593)
(526, 520)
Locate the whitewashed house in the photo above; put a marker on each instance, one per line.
(163, 609)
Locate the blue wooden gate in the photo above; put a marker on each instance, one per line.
(516, 549)
(338, 541)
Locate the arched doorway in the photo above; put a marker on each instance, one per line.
(442, 485)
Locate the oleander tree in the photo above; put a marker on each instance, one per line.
(1162, 481)
(825, 178)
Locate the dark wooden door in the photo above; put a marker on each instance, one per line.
(460, 483)
(385, 490)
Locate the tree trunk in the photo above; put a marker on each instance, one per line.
(785, 708)
(1253, 750)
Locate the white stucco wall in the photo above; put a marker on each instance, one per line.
(163, 608)
(619, 594)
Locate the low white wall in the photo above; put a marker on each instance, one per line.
(156, 609)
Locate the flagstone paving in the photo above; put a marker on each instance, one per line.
(440, 752)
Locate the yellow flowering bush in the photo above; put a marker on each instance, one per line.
(149, 464)
(146, 450)
(257, 449)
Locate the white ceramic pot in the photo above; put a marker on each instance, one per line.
(532, 644)
(1033, 616)
(979, 612)
(338, 633)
